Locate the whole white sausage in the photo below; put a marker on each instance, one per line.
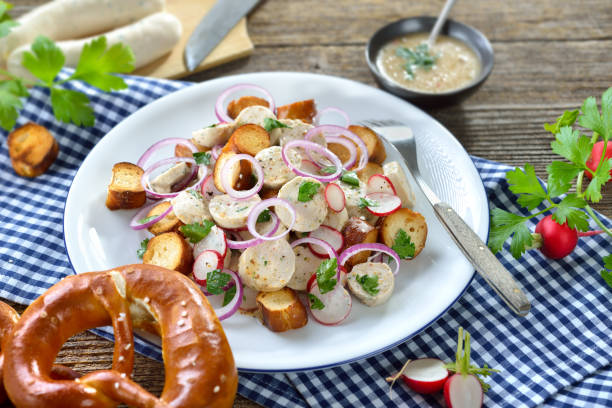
(149, 39)
(69, 19)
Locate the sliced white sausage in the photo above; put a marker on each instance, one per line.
(164, 182)
(336, 220)
(305, 265)
(309, 214)
(189, 206)
(69, 19)
(393, 170)
(295, 131)
(268, 266)
(353, 195)
(229, 212)
(276, 172)
(383, 288)
(254, 114)
(211, 136)
(149, 39)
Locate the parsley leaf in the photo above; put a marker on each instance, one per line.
(567, 119)
(202, 158)
(368, 283)
(350, 177)
(403, 245)
(307, 190)
(560, 176)
(591, 119)
(216, 281)
(315, 302)
(6, 22)
(197, 231)
(96, 64)
(72, 106)
(606, 273)
(143, 248)
(147, 219)
(570, 145)
(326, 275)
(45, 61)
(366, 202)
(569, 210)
(264, 216)
(11, 92)
(196, 194)
(229, 294)
(526, 183)
(601, 177)
(417, 58)
(504, 225)
(270, 124)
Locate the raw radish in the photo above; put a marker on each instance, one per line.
(208, 188)
(425, 375)
(215, 240)
(555, 240)
(328, 234)
(335, 197)
(207, 261)
(383, 204)
(595, 158)
(337, 305)
(379, 183)
(463, 391)
(309, 166)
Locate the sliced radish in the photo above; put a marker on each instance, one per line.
(335, 197)
(309, 166)
(337, 305)
(378, 183)
(383, 203)
(207, 261)
(463, 391)
(328, 234)
(343, 275)
(208, 188)
(215, 240)
(425, 375)
(311, 280)
(248, 302)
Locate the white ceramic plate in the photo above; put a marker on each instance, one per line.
(98, 239)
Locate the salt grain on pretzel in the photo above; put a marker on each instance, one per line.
(199, 366)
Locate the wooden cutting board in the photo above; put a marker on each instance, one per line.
(236, 44)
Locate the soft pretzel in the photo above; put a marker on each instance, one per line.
(8, 318)
(199, 365)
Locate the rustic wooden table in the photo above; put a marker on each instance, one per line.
(549, 56)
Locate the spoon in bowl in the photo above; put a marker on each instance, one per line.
(433, 36)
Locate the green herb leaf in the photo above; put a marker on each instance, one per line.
(601, 177)
(315, 302)
(6, 21)
(197, 231)
(505, 225)
(419, 57)
(196, 194)
(72, 106)
(572, 146)
(147, 219)
(328, 170)
(212, 126)
(229, 294)
(143, 248)
(270, 124)
(202, 158)
(403, 245)
(264, 216)
(307, 190)
(368, 283)
(590, 118)
(216, 281)
(560, 177)
(350, 177)
(567, 119)
(606, 273)
(326, 275)
(526, 183)
(11, 92)
(96, 64)
(569, 209)
(366, 202)
(45, 61)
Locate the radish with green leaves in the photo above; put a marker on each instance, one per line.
(595, 158)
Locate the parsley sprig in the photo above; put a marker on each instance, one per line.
(143, 248)
(307, 191)
(326, 275)
(270, 124)
(419, 57)
(403, 245)
(197, 231)
(572, 207)
(368, 283)
(97, 66)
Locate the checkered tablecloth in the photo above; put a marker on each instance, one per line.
(558, 356)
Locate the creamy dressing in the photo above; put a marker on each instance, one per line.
(455, 64)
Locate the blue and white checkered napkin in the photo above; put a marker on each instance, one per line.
(560, 355)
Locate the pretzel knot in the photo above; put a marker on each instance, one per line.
(199, 366)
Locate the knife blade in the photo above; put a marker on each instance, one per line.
(215, 25)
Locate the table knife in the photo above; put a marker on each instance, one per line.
(215, 25)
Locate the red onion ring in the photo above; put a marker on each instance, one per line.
(333, 130)
(225, 179)
(232, 244)
(231, 308)
(345, 116)
(262, 205)
(170, 160)
(347, 253)
(328, 248)
(350, 146)
(306, 144)
(164, 142)
(135, 225)
(221, 110)
(216, 151)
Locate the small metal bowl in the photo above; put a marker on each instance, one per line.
(468, 35)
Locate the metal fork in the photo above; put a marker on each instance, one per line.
(476, 251)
